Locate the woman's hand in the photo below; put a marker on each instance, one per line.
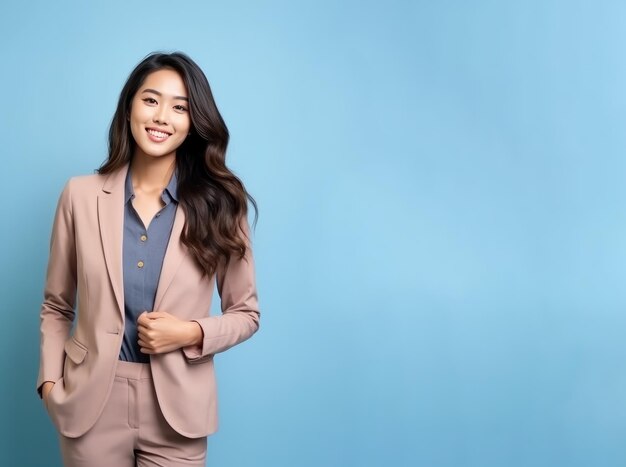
(161, 332)
(45, 391)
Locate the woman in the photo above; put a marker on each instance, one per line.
(140, 244)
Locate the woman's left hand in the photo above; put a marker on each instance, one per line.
(161, 332)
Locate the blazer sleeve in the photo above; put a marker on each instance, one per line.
(240, 316)
(57, 310)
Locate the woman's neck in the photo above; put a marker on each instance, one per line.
(151, 174)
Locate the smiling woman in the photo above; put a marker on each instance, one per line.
(142, 244)
(159, 114)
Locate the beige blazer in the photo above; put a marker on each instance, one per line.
(85, 269)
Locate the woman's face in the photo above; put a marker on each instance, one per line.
(159, 114)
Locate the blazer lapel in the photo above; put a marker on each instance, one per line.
(111, 223)
(173, 257)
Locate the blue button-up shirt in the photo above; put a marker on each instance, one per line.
(143, 253)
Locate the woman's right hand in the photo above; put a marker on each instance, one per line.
(45, 390)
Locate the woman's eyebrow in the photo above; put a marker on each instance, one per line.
(154, 91)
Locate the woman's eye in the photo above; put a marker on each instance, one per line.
(149, 100)
(182, 108)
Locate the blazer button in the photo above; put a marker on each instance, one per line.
(140, 264)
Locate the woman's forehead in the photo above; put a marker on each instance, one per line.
(165, 82)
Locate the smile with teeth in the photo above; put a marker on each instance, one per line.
(157, 135)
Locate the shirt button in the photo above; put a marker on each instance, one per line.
(140, 264)
(143, 238)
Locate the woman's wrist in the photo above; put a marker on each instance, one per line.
(46, 387)
(195, 333)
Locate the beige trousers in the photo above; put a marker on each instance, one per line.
(131, 430)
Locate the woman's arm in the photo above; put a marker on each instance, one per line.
(240, 317)
(57, 310)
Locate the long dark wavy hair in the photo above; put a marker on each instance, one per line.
(213, 198)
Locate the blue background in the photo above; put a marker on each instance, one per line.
(441, 246)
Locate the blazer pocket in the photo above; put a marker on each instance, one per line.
(75, 351)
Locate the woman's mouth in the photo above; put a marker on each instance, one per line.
(156, 135)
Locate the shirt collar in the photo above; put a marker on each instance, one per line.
(128, 188)
(172, 187)
(170, 191)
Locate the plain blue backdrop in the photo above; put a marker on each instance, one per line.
(441, 247)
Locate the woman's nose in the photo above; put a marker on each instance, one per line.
(160, 115)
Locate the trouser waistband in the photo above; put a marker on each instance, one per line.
(133, 370)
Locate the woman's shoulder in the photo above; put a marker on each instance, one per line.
(85, 183)
(81, 187)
